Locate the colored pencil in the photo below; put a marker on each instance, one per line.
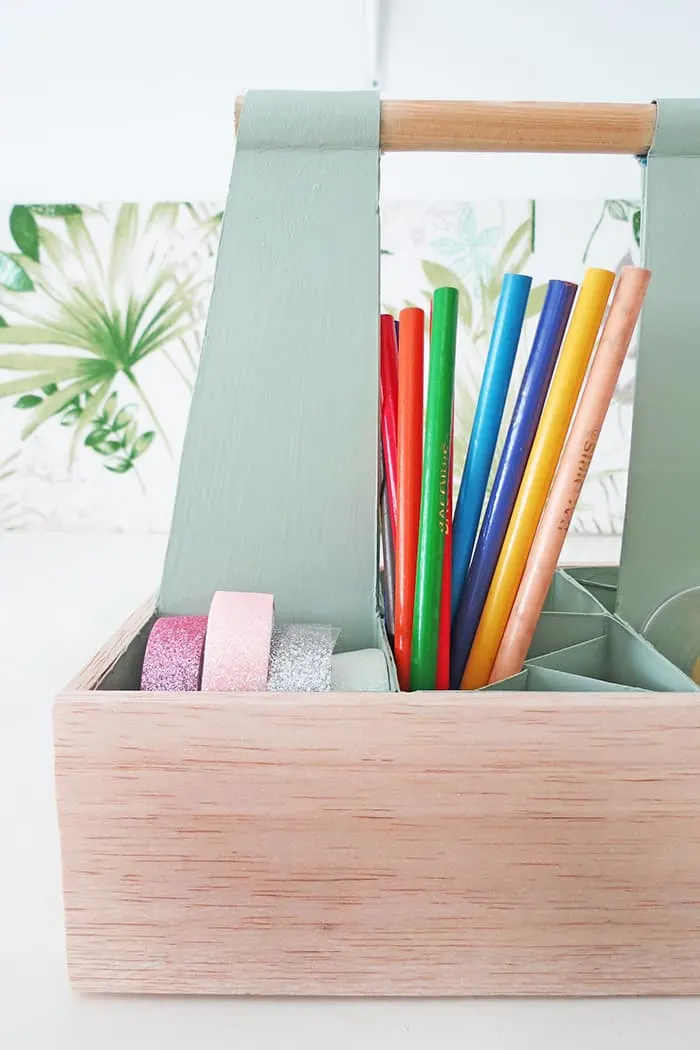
(442, 674)
(388, 380)
(541, 464)
(490, 404)
(433, 525)
(549, 539)
(389, 561)
(409, 471)
(516, 449)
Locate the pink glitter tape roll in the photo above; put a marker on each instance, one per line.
(237, 648)
(173, 658)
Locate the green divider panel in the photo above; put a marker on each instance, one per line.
(661, 549)
(549, 680)
(556, 631)
(621, 657)
(568, 595)
(633, 661)
(278, 481)
(585, 658)
(601, 582)
(517, 683)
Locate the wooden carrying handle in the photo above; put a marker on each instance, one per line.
(515, 127)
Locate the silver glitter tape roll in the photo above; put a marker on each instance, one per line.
(300, 658)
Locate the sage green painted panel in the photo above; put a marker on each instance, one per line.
(633, 661)
(557, 630)
(600, 582)
(546, 680)
(661, 543)
(586, 658)
(536, 679)
(567, 595)
(621, 656)
(516, 683)
(125, 674)
(599, 575)
(278, 480)
(607, 596)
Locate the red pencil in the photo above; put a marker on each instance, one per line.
(442, 671)
(409, 474)
(388, 385)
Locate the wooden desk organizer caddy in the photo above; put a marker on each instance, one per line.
(541, 837)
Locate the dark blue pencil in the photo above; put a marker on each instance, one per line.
(521, 432)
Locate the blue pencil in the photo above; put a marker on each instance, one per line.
(521, 433)
(487, 421)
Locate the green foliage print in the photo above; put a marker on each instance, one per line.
(80, 320)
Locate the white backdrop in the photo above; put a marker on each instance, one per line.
(134, 101)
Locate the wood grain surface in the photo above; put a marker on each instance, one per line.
(423, 844)
(514, 127)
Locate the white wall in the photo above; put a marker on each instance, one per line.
(134, 99)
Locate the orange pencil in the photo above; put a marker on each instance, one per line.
(409, 474)
(572, 470)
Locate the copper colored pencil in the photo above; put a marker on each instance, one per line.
(572, 470)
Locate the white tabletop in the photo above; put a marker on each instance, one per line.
(61, 596)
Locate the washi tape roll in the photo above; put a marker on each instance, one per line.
(362, 671)
(173, 658)
(237, 648)
(300, 658)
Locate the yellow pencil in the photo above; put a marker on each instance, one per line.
(542, 463)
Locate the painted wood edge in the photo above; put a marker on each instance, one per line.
(566, 565)
(88, 679)
(267, 705)
(509, 986)
(514, 127)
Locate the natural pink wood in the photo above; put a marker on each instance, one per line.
(423, 844)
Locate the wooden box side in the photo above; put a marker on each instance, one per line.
(120, 656)
(376, 844)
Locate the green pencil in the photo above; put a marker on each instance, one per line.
(434, 524)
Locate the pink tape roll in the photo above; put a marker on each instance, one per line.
(237, 649)
(173, 657)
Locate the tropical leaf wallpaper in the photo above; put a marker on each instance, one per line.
(102, 311)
